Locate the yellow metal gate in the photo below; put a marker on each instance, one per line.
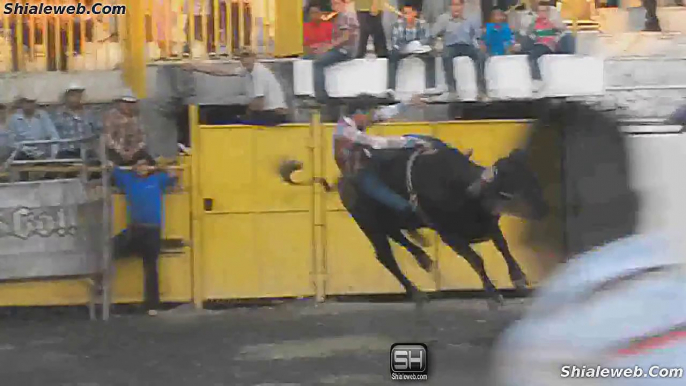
(257, 237)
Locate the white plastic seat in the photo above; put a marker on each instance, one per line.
(410, 77)
(465, 76)
(346, 79)
(509, 77)
(571, 75)
(303, 81)
(358, 76)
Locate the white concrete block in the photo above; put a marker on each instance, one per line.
(571, 75)
(509, 77)
(303, 81)
(410, 78)
(465, 76)
(358, 76)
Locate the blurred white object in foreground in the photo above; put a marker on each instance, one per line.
(596, 311)
(621, 305)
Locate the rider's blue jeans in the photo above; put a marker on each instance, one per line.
(370, 183)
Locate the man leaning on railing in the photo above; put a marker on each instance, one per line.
(5, 140)
(29, 123)
(124, 136)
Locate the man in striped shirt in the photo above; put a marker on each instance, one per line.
(406, 30)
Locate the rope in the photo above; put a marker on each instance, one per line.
(414, 198)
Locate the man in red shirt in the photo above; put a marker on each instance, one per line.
(316, 31)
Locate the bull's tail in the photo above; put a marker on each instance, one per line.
(288, 167)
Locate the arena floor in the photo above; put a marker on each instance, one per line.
(295, 343)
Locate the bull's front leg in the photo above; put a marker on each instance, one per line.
(516, 273)
(462, 248)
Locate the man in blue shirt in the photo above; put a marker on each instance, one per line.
(144, 188)
(460, 38)
(29, 123)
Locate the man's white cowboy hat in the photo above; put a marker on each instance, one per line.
(29, 95)
(75, 86)
(416, 47)
(128, 96)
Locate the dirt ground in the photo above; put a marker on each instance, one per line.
(295, 343)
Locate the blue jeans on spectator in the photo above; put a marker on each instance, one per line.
(452, 52)
(429, 62)
(327, 59)
(535, 53)
(370, 184)
(566, 44)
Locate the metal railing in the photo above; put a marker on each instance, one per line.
(166, 29)
(50, 42)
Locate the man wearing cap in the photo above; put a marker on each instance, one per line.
(268, 105)
(73, 122)
(29, 123)
(124, 135)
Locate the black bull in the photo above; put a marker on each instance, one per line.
(460, 200)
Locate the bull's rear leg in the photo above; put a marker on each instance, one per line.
(463, 249)
(384, 254)
(516, 273)
(417, 252)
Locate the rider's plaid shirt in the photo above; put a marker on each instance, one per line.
(347, 135)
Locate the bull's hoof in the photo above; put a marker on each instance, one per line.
(495, 302)
(419, 297)
(519, 281)
(521, 285)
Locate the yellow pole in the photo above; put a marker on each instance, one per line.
(196, 208)
(318, 208)
(288, 31)
(136, 64)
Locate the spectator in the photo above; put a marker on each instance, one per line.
(499, 39)
(316, 32)
(565, 42)
(268, 106)
(342, 47)
(410, 29)
(5, 138)
(124, 135)
(460, 36)
(73, 122)
(545, 39)
(369, 15)
(144, 188)
(29, 123)
(652, 22)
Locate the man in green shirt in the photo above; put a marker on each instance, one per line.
(369, 14)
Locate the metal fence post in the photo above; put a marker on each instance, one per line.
(319, 196)
(288, 35)
(196, 208)
(134, 49)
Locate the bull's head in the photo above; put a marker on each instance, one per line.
(511, 187)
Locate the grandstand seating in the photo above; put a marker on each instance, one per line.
(507, 77)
